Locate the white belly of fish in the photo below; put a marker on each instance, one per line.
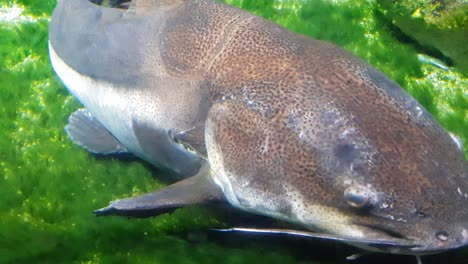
(113, 106)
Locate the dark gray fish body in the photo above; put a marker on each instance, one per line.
(103, 57)
(290, 127)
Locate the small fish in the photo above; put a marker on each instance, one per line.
(272, 122)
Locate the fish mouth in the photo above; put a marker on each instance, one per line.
(381, 239)
(431, 249)
(435, 246)
(397, 243)
(401, 246)
(394, 243)
(387, 245)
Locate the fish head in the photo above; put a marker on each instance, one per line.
(399, 223)
(364, 163)
(400, 176)
(420, 218)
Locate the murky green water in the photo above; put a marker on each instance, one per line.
(49, 186)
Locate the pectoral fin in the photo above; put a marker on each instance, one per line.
(197, 189)
(88, 133)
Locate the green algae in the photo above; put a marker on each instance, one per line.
(50, 186)
(438, 27)
(355, 26)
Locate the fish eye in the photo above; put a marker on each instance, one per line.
(358, 196)
(442, 236)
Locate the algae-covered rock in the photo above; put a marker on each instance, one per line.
(439, 26)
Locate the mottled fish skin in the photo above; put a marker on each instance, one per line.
(296, 122)
(296, 128)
